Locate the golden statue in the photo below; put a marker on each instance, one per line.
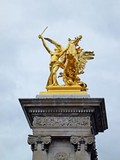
(54, 62)
(71, 60)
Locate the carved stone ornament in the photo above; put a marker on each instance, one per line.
(78, 141)
(61, 121)
(38, 139)
(90, 140)
(61, 156)
(46, 140)
(32, 139)
(35, 140)
(75, 139)
(87, 140)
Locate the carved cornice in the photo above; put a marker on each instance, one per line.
(75, 107)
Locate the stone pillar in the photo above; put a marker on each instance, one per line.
(84, 147)
(39, 146)
(64, 127)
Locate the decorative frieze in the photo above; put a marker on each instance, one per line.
(61, 121)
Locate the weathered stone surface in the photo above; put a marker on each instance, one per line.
(61, 149)
(64, 126)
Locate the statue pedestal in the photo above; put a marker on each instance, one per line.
(64, 127)
(60, 90)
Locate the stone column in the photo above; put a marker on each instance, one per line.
(84, 147)
(39, 146)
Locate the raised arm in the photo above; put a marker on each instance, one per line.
(44, 44)
(53, 42)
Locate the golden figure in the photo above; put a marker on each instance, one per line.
(54, 63)
(71, 59)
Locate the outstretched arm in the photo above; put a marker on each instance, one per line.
(44, 44)
(53, 42)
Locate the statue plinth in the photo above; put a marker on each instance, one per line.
(64, 127)
(75, 89)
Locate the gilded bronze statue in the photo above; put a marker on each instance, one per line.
(71, 60)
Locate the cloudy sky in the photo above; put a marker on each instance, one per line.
(24, 63)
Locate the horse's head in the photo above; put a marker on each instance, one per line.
(76, 40)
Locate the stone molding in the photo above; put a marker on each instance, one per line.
(60, 110)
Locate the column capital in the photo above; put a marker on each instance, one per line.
(86, 143)
(81, 139)
(42, 140)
